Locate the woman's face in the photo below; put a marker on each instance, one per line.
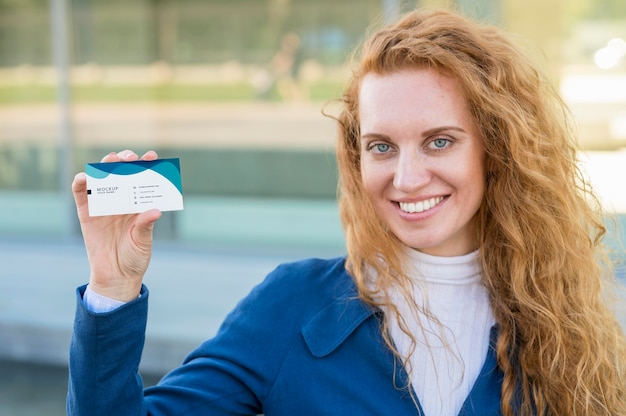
(422, 159)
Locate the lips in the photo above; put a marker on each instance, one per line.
(420, 206)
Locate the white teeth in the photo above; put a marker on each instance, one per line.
(420, 206)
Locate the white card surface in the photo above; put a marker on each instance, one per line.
(132, 187)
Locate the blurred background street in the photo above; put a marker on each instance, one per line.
(238, 92)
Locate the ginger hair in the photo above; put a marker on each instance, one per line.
(540, 227)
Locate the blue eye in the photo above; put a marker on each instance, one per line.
(381, 147)
(440, 143)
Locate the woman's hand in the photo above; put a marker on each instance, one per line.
(118, 246)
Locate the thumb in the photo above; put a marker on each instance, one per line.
(79, 188)
(144, 226)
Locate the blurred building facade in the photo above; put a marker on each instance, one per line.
(235, 88)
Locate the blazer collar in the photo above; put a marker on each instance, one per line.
(332, 325)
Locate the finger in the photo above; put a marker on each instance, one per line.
(123, 156)
(79, 191)
(127, 156)
(111, 157)
(150, 155)
(79, 184)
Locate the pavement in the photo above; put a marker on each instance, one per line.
(192, 289)
(283, 125)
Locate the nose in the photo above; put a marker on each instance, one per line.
(411, 173)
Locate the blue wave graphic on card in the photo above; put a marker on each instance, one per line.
(169, 168)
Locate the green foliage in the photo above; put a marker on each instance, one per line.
(36, 94)
(607, 9)
(122, 32)
(578, 10)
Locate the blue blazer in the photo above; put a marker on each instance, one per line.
(301, 343)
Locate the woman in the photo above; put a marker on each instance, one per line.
(558, 345)
(473, 282)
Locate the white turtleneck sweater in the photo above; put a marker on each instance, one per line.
(448, 356)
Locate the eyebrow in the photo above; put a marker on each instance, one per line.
(427, 133)
(373, 136)
(442, 129)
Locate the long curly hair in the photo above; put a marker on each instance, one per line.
(560, 346)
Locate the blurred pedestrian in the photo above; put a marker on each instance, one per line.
(281, 77)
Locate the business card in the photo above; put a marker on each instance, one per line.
(132, 187)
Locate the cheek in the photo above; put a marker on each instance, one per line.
(473, 171)
(476, 182)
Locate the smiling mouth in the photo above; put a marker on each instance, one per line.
(421, 206)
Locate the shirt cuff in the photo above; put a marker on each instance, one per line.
(97, 303)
